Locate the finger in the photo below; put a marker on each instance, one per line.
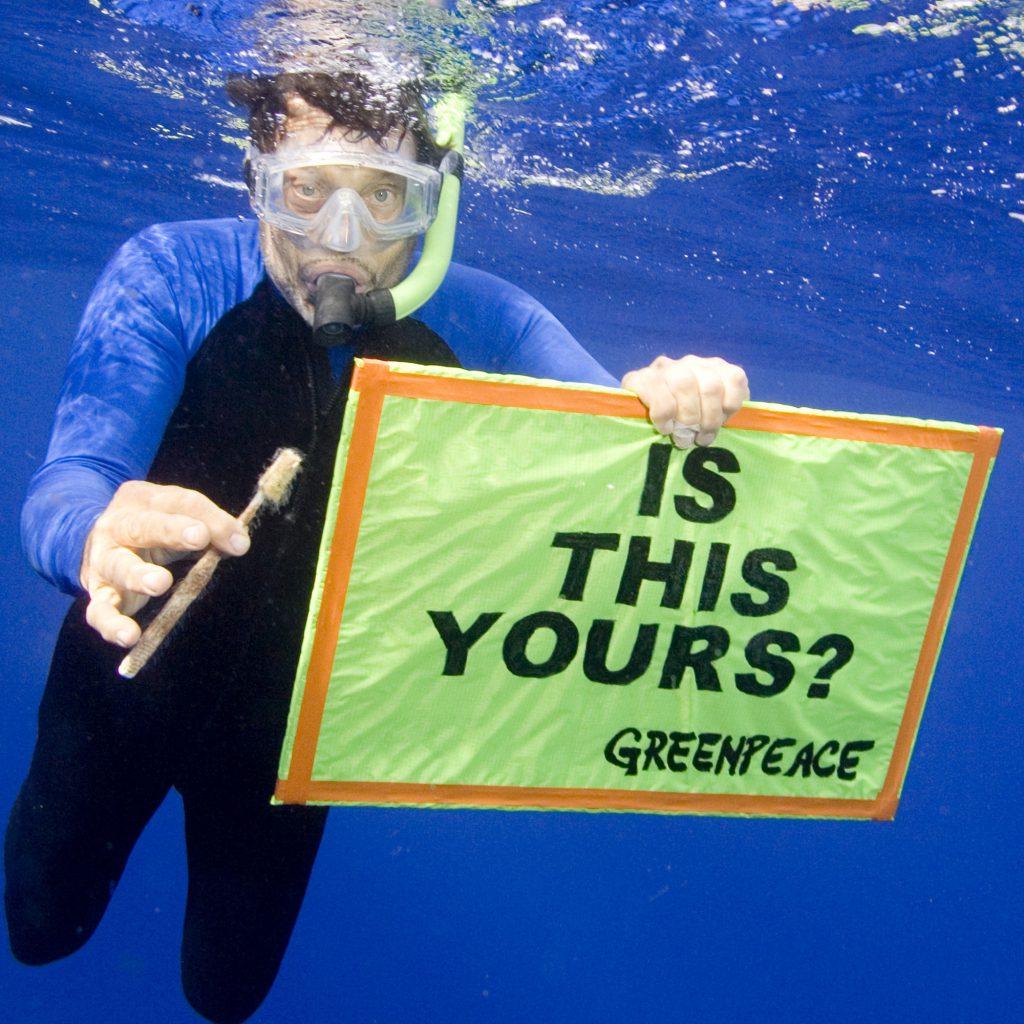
(125, 572)
(711, 394)
(649, 385)
(686, 380)
(737, 388)
(723, 390)
(223, 530)
(680, 381)
(173, 531)
(103, 615)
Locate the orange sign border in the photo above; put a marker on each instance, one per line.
(375, 380)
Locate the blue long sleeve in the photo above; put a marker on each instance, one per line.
(494, 326)
(152, 308)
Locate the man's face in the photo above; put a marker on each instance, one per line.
(294, 264)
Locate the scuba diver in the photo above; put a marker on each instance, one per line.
(205, 347)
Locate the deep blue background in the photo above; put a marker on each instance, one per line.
(838, 281)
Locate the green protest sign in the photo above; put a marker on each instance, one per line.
(526, 598)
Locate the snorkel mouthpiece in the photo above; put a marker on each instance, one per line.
(334, 317)
(339, 309)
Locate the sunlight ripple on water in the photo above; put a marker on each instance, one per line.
(685, 89)
(859, 141)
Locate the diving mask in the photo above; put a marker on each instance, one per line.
(339, 198)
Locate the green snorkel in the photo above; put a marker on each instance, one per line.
(339, 308)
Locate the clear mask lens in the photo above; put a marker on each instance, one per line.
(341, 199)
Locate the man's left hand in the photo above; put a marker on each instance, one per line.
(689, 398)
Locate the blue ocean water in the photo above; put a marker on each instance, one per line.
(830, 193)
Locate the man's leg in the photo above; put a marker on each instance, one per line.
(91, 788)
(248, 865)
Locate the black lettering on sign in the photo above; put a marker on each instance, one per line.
(639, 567)
(772, 756)
(623, 756)
(681, 656)
(702, 756)
(680, 750)
(737, 754)
(774, 587)
(729, 754)
(848, 759)
(754, 744)
(803, 762)
(697, 474)
(595, 655)
(842, 648)
(658, 456)
(583, 546)
(457, 642)
(567, 640)
(714, 573)
(823, 771)
(656, 741)
(808, 760)
(758, 656)
(708, 482)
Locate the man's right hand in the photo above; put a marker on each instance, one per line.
(144, 527)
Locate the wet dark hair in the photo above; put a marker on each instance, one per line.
(350, 100)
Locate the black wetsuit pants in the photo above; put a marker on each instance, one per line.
(109, 751)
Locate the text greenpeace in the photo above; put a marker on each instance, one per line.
(692, 651)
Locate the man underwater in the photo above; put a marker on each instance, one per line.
(194, 362)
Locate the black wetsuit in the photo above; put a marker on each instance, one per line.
(207, 715)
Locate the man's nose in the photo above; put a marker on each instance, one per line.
(337, 224)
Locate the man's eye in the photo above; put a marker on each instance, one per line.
(383, 195)
(305, 189)
(304, 195)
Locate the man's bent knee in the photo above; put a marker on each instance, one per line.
(51, 909)
(221, 1001)
(38, 933)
